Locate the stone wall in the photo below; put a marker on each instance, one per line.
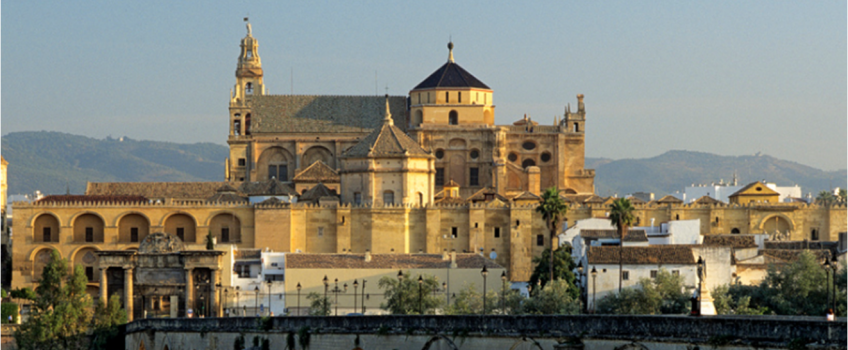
(472, 332)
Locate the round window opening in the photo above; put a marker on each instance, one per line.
(474, 154)
(759, 188)
(512, 157)
(546, 157)
(528, 145)
(440, 154)
(528, 162)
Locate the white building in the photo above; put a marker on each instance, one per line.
(258, 280)
(722, 191)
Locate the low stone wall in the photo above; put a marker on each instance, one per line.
(768, 331)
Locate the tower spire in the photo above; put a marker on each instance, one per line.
(387, 119)
(450, 51)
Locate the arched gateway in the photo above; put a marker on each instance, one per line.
(162, 277)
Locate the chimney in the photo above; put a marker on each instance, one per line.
(367, 255)
(453, 259)
(445, 256)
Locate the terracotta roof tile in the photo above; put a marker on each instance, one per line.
(386, 141)
(669, 199)
(156, 190)
(385, 261)
(707, 200)
(270, 187)
(659, 254)
(318, 172)
(314, 194)
(735, 241)
(74, 198)
(321, 114)
(766, 190)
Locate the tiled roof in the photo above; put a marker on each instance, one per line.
(272, 200)
(317, 172)
(631, 236)
(270, 187)
(634, 200)
(386, 141)
(707, 200)
(658, 254)
(156, 190)
(451, 183)
(451, 75)
(450, 200)
(322, 114)
(248, 253)
(526, 195)
(669, 199)
(75, 198)
(487, 192)
(735, 241)
(316, 193)
(226, 197)
(594, 199)
(385, 261)
(789, 255)
(766, 190)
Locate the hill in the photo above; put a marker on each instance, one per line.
(674, 170)
(50, 161)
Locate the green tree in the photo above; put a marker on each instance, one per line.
(553, 299)
(23, 293)
(826, 198)
(469, 301)
(553, 210)
(662, 295)
(210, 241)
(563, 268)
(842, 197)
(62, 311)
(402, 296)
(106, 320)
(726, 304)
(798, 288)
(318, 304)
(621, 216)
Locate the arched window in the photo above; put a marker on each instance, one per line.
(677, 217)
(248, 88)
(237, 127)
(447, 97)
(734, 230)
(420, 199)
(453, 118)
(459, 97)
(388, 197)
(528, 162)
(576, 127)
(814, 235)
(716, 219)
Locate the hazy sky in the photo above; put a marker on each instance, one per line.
(731, 78)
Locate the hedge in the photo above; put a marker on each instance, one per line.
(7, 309)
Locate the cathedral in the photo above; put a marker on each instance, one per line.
(442, 133)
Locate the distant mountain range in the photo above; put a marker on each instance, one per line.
(53, 162)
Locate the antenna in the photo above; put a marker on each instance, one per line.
(387, 89)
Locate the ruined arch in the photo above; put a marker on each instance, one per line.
(40, 258)
(316, 153)
(456, 143)
(88, 227)
(133, 227)
(45, 225)
(569, 191)
(776, 222)
(276, 159)
(87, 258)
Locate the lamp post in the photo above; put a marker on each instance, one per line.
(324, 309)
(830, 270)
(238, 288)
(420, 296)
(355, 286)
(363, 296)
(503, 293)
(256, 299)
(834, 267)
(400, 290)
(269, 299)
(485, 273)
(226, 296)
(700, 284)
(447, 295)
(298, 298)
(594, 278)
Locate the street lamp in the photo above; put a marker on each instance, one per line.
(324, 310)
(700, 285)
(420, 299)
(337, 296)
(298, 298)
(580, 281)
(226, 298)
(594, 278)
(400, 290)
(830, 269)
(503, 292)
(355, 286)
(238, 288)
(447, 295)
(269, 299)
(485, 273)
(256, 299)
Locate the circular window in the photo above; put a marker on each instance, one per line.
(759, 188)
(474, 154)
(512, 157)
(528, 162)
(440, 154)
(546, 157)
(528, 145)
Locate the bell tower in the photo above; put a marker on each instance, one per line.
(248, 83)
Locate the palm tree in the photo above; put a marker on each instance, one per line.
(621, 215)
(553, 210)
(825, 198)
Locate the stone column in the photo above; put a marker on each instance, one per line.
(216, 306)
(104, 293)
(128, 292)
(189, 290)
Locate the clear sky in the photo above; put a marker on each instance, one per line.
(725, 77)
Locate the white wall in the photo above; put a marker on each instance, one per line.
(606, 281)
(685, 232)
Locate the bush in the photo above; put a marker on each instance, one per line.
(9, 309)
